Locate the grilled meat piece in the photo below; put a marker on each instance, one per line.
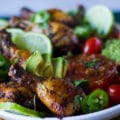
(10, 51)
(16, 22)
(12, 92)
(62, 37)
(97, 69)
(60, 16)
(57, 94)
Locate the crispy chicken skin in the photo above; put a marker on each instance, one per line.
(62, 37)
(17, 22)
(60, 16)
(57, 94)
(12, 92)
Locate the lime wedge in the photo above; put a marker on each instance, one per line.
(3, 23)
(101, 19)
(31, 41)
(16, 33)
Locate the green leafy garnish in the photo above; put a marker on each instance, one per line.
(91, 63)
(84, 84)
(80, 82)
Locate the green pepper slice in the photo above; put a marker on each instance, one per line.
(18, 109)
(95, 101)
(98, 100)
(40, 17)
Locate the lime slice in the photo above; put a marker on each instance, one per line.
(3, 23)
(31, 41)
(101, 19)
(16, 33)
(36, 41)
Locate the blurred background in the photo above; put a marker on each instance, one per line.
(12, 7)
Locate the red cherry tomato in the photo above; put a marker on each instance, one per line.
(92, 45)
(114, 93)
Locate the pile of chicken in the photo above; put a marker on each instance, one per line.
(56, 94)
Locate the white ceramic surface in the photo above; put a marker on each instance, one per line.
(101, 115)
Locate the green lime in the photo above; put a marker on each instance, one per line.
(36, 41)
(31, 41)
(16, 33)
(101, 19)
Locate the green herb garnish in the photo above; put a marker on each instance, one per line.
(84, 84)
(91, 63)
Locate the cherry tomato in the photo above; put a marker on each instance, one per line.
(92, 45)
(114, 93)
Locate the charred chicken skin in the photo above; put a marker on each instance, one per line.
(97, 69)
(57, 94)
(61, 36)
(12, 92)
(60, 16)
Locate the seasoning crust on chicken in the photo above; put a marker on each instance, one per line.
(60, 16)
(57, 94)
(12, 92)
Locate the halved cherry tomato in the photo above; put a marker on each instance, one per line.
(92, 45)
(114, 93)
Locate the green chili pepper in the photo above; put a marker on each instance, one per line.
(96, 101)
(18, 109)
(82, 31)
(40, 17)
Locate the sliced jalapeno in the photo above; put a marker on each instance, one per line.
(98, 100)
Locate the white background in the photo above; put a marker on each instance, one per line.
(9, 7)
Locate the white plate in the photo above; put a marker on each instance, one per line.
(101, 115)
